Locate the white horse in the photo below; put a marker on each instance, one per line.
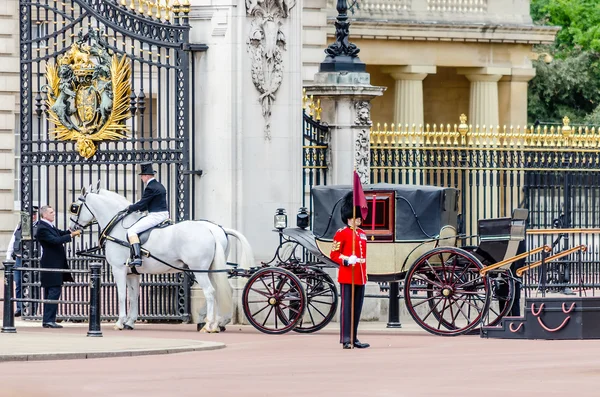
(197, 246)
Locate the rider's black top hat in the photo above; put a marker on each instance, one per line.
(147, 169)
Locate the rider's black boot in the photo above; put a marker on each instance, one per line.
(137, 257)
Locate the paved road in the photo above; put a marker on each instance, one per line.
(399, 363)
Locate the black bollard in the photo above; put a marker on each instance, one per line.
(8, 324)
(394, 307)
(94, 322)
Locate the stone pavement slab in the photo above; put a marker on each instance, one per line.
(400, 363)
(29, 346)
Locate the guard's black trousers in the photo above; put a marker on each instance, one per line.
(345, 317)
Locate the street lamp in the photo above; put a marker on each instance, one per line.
(302, 219)
(280, 219)
(342, 56)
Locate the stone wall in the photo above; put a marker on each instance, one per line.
(9, 99)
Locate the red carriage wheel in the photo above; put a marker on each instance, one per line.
(321, 300)
(444, 292)
(274, 300)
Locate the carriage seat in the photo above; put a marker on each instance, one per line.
(145, 235)
(499, 238)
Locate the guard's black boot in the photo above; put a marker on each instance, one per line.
(137, 257)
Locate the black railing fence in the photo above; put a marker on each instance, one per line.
(91, 297)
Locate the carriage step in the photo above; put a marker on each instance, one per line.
(551, 318)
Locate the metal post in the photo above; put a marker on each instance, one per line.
(94, 321)
(542, 282)
(8, 324)
(394, 310)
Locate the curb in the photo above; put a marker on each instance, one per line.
(105, 354)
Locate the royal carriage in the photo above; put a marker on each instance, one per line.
(449, 288)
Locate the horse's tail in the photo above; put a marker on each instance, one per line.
(220, 282)
(247, 255)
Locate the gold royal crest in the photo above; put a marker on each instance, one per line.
(88, 93)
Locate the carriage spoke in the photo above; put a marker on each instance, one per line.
(434, 272)
(428, 280)
(266, 286)
(278, 313)
(317, 309)
(442, 314)
(426, 300)
(255, 313)
(266, 295)
(432, 309)
(289, 308)
(468, 318)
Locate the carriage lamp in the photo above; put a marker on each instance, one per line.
(302, 219)
(280, 219)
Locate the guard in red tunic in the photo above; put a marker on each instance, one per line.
(341, 253)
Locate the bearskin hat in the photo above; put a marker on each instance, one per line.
(346, 210)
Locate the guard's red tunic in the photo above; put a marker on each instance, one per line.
(342, 248)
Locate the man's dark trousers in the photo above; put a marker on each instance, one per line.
(346, 295)
(50, 309)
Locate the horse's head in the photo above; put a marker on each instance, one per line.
(80, 214)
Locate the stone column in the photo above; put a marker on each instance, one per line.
(483, 104)
(512, 97)
(345, 99)
(408, 101)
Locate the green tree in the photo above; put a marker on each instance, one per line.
(570, 84)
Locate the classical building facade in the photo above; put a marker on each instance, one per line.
(438, 58)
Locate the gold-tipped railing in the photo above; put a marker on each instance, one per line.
(523, 269)
(163, 10)
(469, 136)
(508, 261)
(310, 106)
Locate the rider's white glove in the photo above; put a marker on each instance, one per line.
(352, 259)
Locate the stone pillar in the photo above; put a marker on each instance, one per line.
(408, 101)
(483, 103)
(9, 105)
(345, 99)
(512, 97)
(248, 120)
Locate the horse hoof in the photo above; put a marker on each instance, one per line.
(222, 328)
(128, 327)
(118, 328)
(200, 326)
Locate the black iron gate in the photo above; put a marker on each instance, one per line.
(315, 149)
(74, 57)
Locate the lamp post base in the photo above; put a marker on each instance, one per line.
(342, 63)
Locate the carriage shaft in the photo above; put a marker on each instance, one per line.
(508, 261)
(523, 269)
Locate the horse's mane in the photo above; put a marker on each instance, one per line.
(122, 201)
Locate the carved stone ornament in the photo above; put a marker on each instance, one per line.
(362, 156)
(363, 113)
(266, 43)
(88, 93)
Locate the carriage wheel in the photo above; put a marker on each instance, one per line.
(444, 292)
(274, 300)
(321, 300)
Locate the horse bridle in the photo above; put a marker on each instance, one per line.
(75, 209)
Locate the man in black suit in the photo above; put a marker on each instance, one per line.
(53, 257)
(154, 200)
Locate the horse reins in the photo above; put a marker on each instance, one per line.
(105, 236)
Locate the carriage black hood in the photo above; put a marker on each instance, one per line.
(435, 207)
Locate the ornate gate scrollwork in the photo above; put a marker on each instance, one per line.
(105, 86)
